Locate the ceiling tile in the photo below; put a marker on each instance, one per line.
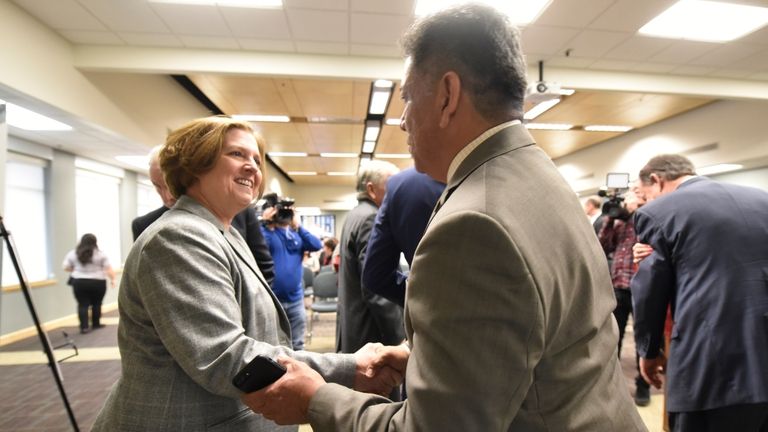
(266, 45)
(546, 40)
(616, 65)
(344, 138)
(595, 43)
(731, 73)
(375, 50)
(757, 62)
(569, 62)
(759, 37)
(762, 76)
(691, 70)
(151, 39)
(395, 7)
(727, 54)
(573, 13)
(92, 37)
(322, 47)
(62, 14)
(317, 4)
(630, 15)
(320, 26)
(257, 23)
(681, 52)
(192, 20)
(653, 67)
(209, 42)
(127, 16)
(377, 29)
(638, 48)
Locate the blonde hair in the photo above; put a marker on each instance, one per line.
(193, 149)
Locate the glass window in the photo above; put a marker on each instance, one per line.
(24, 218)
(97, 206)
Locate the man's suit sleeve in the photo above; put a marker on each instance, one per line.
(652, 288)
(477, 335)
(380, 270)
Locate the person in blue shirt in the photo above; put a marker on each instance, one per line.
(400, 224)
(287, 241)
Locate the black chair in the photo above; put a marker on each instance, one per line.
(326, 269)
(325, 298)
(308, 279)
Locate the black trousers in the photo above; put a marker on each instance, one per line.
(621, 313)
(89, 294)
(742, 418)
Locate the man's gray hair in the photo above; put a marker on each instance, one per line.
(667, 166)
(375, 171)
(481, 45)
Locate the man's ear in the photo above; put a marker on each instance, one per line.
(449, 92)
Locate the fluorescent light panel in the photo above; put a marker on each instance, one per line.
(393, 122)
(262, 118)
(372, 129)
(719, 168)
(379, 101)
(607, 128)
(340, 173)
(540, 108)
(302, 173)
(23, 118)
(135, 161)
(519, 11)
(287, 154)
(383, 84)
(338, 155)
(549, 126)
(369, 146)
(260, 4)
(567, 91)
(706, 21)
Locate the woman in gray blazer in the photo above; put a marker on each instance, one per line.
(194, 307)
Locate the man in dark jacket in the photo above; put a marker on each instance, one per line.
(363, 316)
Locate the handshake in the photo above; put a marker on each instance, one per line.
(379, 369)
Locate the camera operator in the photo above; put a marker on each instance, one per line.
(287, 241)
(617, 236)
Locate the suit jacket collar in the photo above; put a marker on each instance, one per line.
(504, 141)
(693, 180)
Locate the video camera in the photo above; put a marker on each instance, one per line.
(615, 185)
(283, 205)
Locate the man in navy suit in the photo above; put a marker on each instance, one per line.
(400, 222)
(710, 262)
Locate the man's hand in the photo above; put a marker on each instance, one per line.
(287, 400)
(268, 214)
(640, 251)
(380, 369)
(653, 369)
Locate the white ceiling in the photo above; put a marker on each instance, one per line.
(592, 37)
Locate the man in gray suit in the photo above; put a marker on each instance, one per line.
(364, 316)
(508, 306)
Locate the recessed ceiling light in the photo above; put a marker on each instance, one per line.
(719, 168)
(339, 155)
(567, 91)
(341, 173)
(372, 129)
(302, 173)
(23, 118)
(379, 100)
(706, 21)
(382, 83)
(548, 126)
(393, 155)
(519, 11)
(287, 154)
(260, 4)
(393, 122)
(607, 128)
(540, 108)
(262, 118)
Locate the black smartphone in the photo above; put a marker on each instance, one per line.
(259, 373)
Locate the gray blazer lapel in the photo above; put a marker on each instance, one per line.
(504, 141)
